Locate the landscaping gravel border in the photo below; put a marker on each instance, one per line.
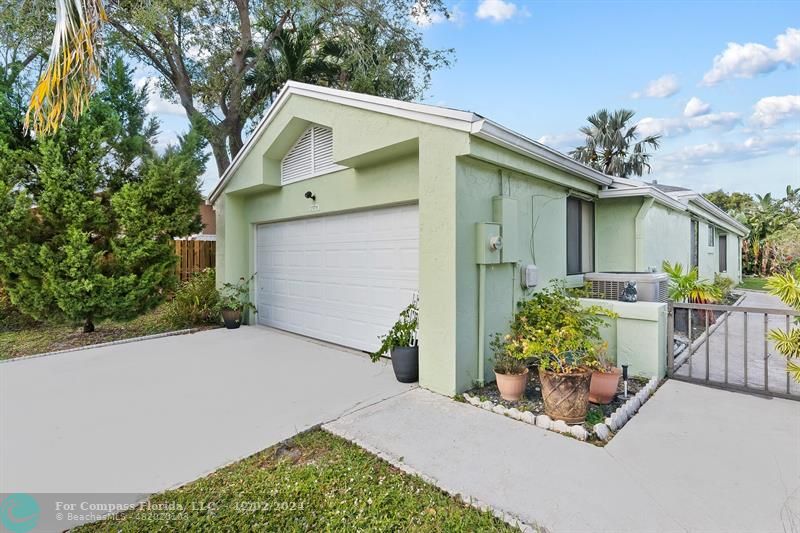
(604, 431)
(104, 344)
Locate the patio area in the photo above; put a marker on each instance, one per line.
(693, 459)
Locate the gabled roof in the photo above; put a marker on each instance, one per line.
(465, 121)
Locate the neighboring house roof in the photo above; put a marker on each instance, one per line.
(674, 197)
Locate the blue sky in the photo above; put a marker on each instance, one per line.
(541, 68)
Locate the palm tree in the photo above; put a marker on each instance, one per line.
(611, 145)
(787, 288)
(73, 67)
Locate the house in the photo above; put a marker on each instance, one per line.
(346, 205)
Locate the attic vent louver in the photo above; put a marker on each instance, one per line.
(311, 155)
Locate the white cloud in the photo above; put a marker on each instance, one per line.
(750, 59)
(663, 87)
(773, 109)
(496, 10)
(696, 107)
(672, 127)
(721, 152)
(562, 141)
(156, 104)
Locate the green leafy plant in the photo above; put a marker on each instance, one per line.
(724, 285)
(236, 296)
(555, 330)
(503, 362)
(688, 286)
(787, 288)
(195, 301)
(403, 333)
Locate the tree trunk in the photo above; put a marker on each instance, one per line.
(88, 326)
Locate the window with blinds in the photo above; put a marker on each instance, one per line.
(311, 155)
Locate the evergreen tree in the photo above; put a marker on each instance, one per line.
(87, 215)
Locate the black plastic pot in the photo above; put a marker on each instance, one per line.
(405, 362)
(232, 318)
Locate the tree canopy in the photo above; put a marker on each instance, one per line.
(611, 144)
(87, 215)
(224, 60)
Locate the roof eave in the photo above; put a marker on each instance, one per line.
(500, 135)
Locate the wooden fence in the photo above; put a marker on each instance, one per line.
(194, 256)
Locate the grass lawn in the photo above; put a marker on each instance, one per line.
(753, 283)
(41, 338)
(315, 482)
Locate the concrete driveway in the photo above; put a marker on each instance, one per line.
(146, 416)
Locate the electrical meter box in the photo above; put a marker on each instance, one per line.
(488, 243)
(504, 212)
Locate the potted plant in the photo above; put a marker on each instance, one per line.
(511, 373)
(401, 343)
(605, 378)
(561, 335)
(234, 299)
(688, 286)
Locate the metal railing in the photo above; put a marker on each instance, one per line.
(734, 354)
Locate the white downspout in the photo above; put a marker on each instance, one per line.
(639, 265)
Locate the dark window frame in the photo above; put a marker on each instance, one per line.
(694, 243)
(580, 259)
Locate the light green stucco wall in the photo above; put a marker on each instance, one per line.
(615, 234)
(637, 337)
(540, 205)
(667, 235)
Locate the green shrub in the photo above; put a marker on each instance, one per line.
(196, 302)
(555, 330)
(724, 285)
(10, 317)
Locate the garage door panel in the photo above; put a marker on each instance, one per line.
(342, 278)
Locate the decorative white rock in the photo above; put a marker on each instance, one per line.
(499, 409)
(602, 432)
(561, 426)
(528, 417)
(611, 423)
(579, 432)
(618, 420)
(622, 415)
(636, 403)
(544, 421)
(487, 405)
(474, 400)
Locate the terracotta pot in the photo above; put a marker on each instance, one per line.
(604, 386)
(511, 386)
(566, 396)
(232, 318)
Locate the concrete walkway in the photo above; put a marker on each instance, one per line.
(776, 363)
(142, 417)
(693, 459)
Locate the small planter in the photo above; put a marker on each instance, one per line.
(232, 318)
(604, 386)
(405, 362)
(511, 386)
(566, 396)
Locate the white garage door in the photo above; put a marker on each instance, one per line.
(341, 278)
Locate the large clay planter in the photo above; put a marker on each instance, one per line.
(405, 362)
(604, 386)
(566, 396)
(232, 318)
(511, 386)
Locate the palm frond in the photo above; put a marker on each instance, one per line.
(73, 67)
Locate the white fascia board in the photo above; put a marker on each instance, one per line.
(645, 191)
(496, 134)
(711, 211)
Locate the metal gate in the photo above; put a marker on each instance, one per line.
(728, 346)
